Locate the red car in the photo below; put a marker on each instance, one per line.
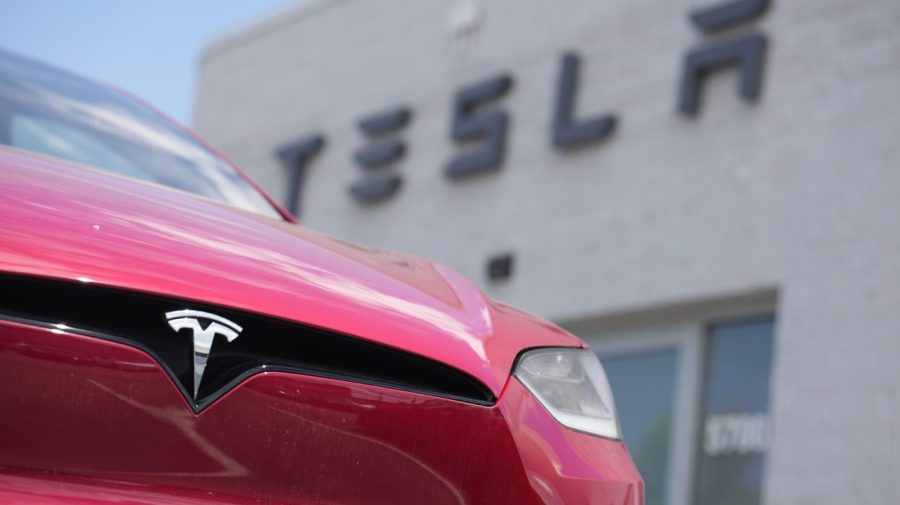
(169, 334)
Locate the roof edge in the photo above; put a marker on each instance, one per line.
(262, 26)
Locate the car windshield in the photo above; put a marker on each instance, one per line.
(52, 112)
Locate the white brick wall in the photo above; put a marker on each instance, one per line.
(798, 193)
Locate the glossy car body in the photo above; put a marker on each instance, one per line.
(89, 416)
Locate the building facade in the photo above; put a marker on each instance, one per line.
(708, 192)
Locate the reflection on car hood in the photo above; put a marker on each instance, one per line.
(65, 221)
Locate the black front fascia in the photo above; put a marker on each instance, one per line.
(265, 343)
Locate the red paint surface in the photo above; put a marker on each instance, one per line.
(66, 221)
(564, 466)
(91, 421)
(84, 420)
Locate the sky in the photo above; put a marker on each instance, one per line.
(150, 48)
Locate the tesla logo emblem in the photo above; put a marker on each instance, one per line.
(203, 337)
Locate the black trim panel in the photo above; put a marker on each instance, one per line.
(265, 344)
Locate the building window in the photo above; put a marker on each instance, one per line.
(693, 399)
(644, 388)
(735, 413)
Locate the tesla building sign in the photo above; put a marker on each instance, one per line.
(478, 117)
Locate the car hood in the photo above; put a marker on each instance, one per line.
(65, 221)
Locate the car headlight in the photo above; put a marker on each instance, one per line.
(571, 385)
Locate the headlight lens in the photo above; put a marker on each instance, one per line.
(572, 386)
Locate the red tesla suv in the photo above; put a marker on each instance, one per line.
(169, 334)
